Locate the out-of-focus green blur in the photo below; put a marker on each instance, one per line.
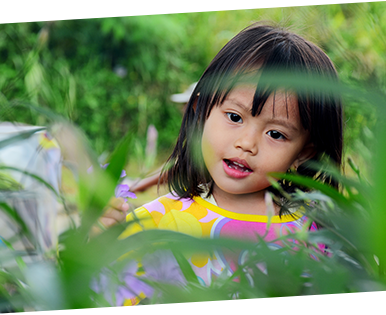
(113, 78)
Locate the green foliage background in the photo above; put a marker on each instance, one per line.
(71, 66)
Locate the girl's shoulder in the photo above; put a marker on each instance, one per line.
(167, 202)
(149, 215)
(164, 206)
(168, 212)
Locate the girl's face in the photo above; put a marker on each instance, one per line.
(239, 149)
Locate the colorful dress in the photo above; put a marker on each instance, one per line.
(202, 218)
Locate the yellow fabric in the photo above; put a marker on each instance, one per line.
(141, 220)
(134, 300)
(248, 217)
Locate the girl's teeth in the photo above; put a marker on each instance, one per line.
(235, 165)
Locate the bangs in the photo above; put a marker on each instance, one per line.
(272, 54)
(224, 85)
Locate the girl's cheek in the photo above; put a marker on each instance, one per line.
(208, 152)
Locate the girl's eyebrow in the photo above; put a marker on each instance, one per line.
(243, 107)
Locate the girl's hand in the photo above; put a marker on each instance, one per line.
(116, 213)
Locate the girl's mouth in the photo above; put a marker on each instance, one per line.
(234, 168)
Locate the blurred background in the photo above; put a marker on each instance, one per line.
(110, 75)
(116, 76)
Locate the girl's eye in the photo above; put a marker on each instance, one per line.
(276, 135)
(234, 117)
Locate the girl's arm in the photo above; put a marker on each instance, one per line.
(146, 183)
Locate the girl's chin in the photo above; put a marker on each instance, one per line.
(237, 192)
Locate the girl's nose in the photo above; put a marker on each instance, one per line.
(248, 142)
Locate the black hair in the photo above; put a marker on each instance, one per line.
(261, 50)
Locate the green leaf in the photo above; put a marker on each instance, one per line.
(270, 211)
(7, 182)
(98, 188)
(185, 267)
(311, 183)
(354, 167)
(12, 213)
(119, 158)
(20, 262)
(36, 177)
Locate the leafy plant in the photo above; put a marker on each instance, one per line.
(111, 75)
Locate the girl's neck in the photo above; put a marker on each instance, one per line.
(252, 203)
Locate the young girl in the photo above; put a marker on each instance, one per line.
(235, 131)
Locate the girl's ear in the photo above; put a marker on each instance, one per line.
(307, 153)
